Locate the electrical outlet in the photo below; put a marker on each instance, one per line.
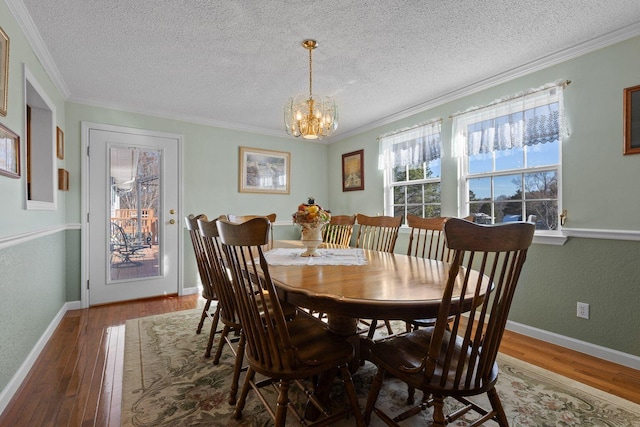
(583, 310)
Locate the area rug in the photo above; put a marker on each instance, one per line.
(167, 381)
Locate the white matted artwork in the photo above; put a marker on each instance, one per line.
(264, 171)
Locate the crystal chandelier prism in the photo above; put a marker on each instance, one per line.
(312, 117)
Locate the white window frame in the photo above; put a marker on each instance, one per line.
(387, 163)
(535, 97)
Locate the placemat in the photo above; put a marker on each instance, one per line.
(291, 256)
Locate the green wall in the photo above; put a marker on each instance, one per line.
(32, 275)
(33, 281)
(599, 192)
(211, 157)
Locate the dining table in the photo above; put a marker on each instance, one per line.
(351, 283)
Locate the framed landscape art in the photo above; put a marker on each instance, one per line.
(264, 171)
(353, 171)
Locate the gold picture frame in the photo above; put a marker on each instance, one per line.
(353, 171)
(631, 116)
(59, 143)
(9, 153)
(63, 180)
(4, 72)
(264, 171)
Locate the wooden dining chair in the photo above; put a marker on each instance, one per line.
(227, 311)
(339, 230)
(458, 358)
(378, 233)
(426, 238)
(283, 351)
(244, 218)
(208, 292)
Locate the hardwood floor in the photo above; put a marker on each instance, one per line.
(77, 380)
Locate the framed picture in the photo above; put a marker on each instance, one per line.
(9, 153)
(353, 171)
(59, 143)
(264, 171)
(4, 71)
(632, 120)
(63, 179)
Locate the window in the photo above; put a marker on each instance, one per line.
(410, 159)
(511, 158)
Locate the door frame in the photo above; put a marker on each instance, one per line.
(86, 127)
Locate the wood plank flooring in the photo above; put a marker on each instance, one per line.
(77, 380)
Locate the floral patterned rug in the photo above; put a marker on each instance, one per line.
(167, 381)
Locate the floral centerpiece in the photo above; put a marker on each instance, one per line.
(311, 218)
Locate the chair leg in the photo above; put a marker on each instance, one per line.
(372, 328)
(223, 340)
(282, 404)
(351, 394)
(212, 333)
(494, 399)
(411, 395)
(237, 413)
(237, 368)
(203, 316)
(389, 329)
(376, 385)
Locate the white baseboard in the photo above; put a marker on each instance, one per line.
(608, 354)
(190, 291)
(594, 350)
(14, 384)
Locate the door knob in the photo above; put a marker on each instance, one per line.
(172, 221)
(172, 211)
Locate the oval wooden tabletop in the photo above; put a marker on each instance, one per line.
(389, 286)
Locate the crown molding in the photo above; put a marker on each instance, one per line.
(577, 50)
(22, 16)
(183, 118)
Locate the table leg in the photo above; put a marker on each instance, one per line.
(341, 325)
(346, 327)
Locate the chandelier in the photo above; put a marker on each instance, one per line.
(311, 117)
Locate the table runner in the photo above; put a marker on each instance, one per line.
(291, 256)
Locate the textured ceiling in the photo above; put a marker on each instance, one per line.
(235, 63)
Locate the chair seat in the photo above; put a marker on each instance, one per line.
(408, 350)
(316, 346)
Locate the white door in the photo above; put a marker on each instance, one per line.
(133, 214)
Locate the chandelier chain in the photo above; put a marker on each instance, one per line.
(310, 73)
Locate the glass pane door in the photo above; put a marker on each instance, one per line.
(134, 201)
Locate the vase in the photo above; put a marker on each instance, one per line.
(311, 237)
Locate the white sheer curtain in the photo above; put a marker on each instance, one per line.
(411, 146)
(535, 116)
